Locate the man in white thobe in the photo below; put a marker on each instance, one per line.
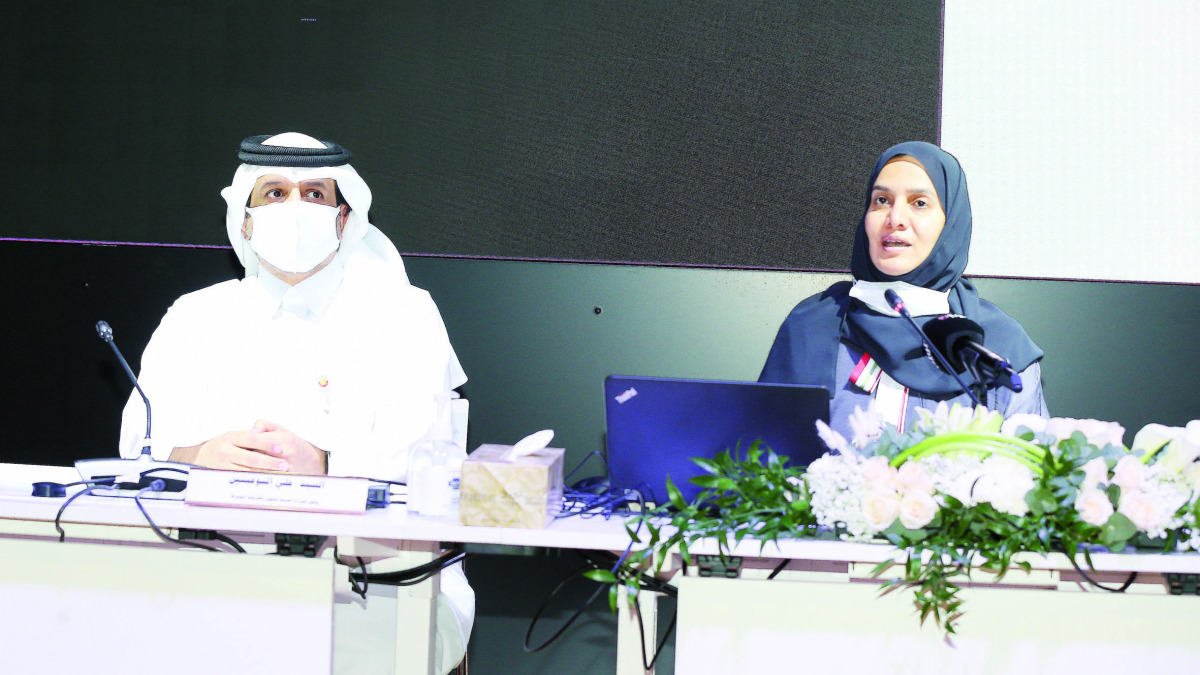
(323, 359)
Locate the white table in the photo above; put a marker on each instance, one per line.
(820, 615)
(825, 614)
(115, 588)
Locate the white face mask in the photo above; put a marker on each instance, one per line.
(294, 236)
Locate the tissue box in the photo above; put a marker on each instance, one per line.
(526, 492)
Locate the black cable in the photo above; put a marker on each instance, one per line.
(778, 568)
(360, 583)
(645, 581)
(431, 573)
(1121, 589)
(95, 482)
(137, 499)
(220, 537)
(662, 643)
(578, 612)
(355, 586)
(62, 535)
(590, 505)
(162, 468)
(413, 575)
(583, 461)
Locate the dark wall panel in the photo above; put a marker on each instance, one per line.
(71, 389)
(715, 133)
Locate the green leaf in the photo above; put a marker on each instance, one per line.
(1041, 501)
(773, 460)
(1114, 494)
(674, 495)
(602, 576)
(1117, 531)
(631, 588)
(712, 481)
(882, 567)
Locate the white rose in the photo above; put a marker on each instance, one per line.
(963, 488)
(1095, 472)
(1093, 507)
(879, 475)
(917, 510)
(1004, 485)
(1097, 432)
(1128, 474)
(912, 477)
(1100, 433)
(1139, 508)
(1035, 423)
(880, 509)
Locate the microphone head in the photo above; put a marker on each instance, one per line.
(948, 332)
(104, 330)
(893, 299)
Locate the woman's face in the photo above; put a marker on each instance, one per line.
(904, 218)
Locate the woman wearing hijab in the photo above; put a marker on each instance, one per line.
(913, 239)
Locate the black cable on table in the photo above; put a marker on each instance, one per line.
(156, 486)
(62, 535)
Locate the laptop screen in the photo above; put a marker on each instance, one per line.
(656, 425)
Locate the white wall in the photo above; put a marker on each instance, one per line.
(1076, 122)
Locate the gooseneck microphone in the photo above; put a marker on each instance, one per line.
(106, 334)
(130, 473)
(962, 340)
(893, 299)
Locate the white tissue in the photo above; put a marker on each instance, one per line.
(529, 445)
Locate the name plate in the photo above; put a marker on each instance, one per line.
(277, 491)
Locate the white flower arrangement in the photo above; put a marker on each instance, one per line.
(1072, 481)
(866, 487)
(964, 489)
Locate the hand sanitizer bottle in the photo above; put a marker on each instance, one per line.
(435, 468)
(419, 461)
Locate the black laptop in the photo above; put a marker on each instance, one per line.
(656, 425)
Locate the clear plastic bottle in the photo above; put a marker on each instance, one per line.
(435, 468)
(419, 460)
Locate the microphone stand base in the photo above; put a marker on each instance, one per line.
(137, 472)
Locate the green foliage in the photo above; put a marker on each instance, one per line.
(753, 495)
